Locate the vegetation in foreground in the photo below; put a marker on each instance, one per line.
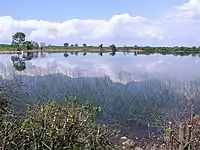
(52, 126)
(71, 126)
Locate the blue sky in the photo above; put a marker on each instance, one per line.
(127, 22)
(69, 9)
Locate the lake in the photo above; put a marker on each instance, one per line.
(131, 89)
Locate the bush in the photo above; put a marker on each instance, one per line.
(52, 126)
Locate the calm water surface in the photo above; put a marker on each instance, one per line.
(116, 67)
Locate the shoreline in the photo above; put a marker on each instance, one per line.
(106, 50)
(64, 50)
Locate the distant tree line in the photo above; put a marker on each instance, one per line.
(19, 41)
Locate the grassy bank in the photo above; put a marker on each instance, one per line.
(7, 49)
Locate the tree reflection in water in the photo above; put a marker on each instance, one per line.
(19, 62)
(30, 55)
(66, 54)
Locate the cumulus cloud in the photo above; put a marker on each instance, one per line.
(117, 68)
(187, 11)
(181, 26)
(150, 67)
(90, 66)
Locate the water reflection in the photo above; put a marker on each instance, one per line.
(66, 54)
(93, 64)
(42, 54)
(112, 53)
(76, 53)
(30, 55)
(101, 53)
(18, 63)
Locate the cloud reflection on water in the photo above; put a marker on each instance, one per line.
(118, 68)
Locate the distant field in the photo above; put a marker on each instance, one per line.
(62, 50)
(8, 49)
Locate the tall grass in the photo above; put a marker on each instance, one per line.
(125, 105)
(151, 101)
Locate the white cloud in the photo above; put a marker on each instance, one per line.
(189, 10)
(151, 67)
(90, 66)
(180, 26)
(117, 68)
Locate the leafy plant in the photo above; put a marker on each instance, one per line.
(52, 126)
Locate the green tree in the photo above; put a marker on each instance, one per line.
(31, 45)
(28, 45)
(66, 44)
(35, 44)
(18, 38)
(135, 47)
(101, 46)
(113, 48)
(194, 48)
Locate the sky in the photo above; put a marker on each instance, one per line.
(127, 22)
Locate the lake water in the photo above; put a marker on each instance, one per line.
(131, 66)
(130, 89)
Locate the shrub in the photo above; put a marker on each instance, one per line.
(53, 126)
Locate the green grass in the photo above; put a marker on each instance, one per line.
(5, 47)
(182, 51)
